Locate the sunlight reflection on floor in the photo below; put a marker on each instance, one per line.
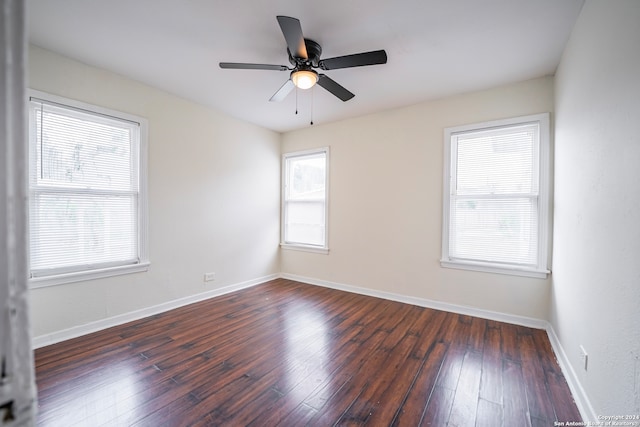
(117, 394)
(308, 346)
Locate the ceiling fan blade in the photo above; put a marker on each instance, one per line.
(244, 66)
(333, 87)
(356, 60)
(282, 93)
(292, 32)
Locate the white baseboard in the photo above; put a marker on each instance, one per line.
(580, 396)
(98, 325)
(423, 302)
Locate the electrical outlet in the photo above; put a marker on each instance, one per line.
(209, 277)
(584, 357)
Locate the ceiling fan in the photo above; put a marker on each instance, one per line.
(304, 56)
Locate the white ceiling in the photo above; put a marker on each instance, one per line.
(435, 48)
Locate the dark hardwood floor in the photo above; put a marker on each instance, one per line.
(290, 354)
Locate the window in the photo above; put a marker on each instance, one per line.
(87, 182)
(495, 209)
(304, 200)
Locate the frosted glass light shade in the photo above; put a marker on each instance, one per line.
(304, 79)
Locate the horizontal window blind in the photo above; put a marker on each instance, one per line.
(84, 190)
(494, 195)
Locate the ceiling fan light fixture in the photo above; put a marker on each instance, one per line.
(304, 79)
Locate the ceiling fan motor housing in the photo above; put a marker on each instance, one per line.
(314, 50)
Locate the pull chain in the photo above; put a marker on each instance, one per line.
(296, 100)
(312, 90)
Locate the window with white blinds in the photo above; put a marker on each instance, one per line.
(87, 191)
(304, 200)
(495, 210)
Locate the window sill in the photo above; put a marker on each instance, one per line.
(305, 248)
(60, 279)
(492, 268)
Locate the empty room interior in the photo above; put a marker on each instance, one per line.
(441, 230)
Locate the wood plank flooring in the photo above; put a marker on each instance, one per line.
(289, 354)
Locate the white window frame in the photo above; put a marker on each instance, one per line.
(142, 220)
(541, 269)
(283, 210)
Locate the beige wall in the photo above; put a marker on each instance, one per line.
(386, 202)
(596, 280)
(213, 198)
